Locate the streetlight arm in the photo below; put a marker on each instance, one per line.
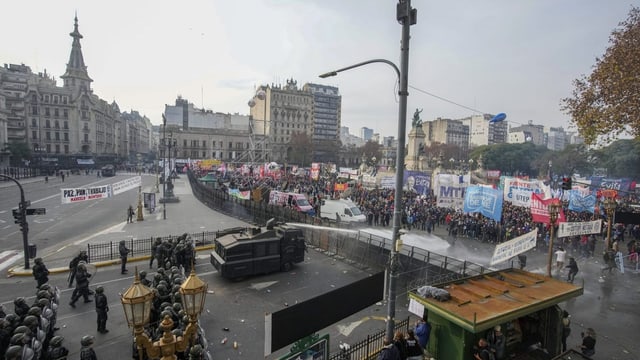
(335, 72)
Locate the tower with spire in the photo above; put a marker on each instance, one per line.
(76, 76)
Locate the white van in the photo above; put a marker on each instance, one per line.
(341, 210)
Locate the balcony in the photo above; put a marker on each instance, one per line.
(85, 142)
(86, 129)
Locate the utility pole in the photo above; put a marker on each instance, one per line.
(21, 219)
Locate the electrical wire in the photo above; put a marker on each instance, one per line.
(447, 100)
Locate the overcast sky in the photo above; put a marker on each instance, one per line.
(517, 57)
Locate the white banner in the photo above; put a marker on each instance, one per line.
(126, 185)
(83, 194)
(518, 191)
(579, 228)
(450, 190)
(513, 247)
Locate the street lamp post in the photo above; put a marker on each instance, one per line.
(610, 208)
(137, 302)
(554, 209)
(407, 17)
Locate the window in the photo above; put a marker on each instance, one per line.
(56, 124)
(48, 135)
(34, 135)
(65, 113)
(65, 100)
(66, 149)
(34, 123)
(58, 136)
(48, 148)
(46, 98)
(86, 137)
(66, 136)
(56, 112)
(47, 112)
(204, 145)
(34, 110)
(55, 99)
(47, 124)
(204, 154)
(184, 143)
(34, 98)
(65, 125)
(57, 149)
(230, 146)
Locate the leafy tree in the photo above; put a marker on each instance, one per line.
(621, 158)
(606, 103)
(300, 149)
(510, 159)
(19, 151)
(370, 150)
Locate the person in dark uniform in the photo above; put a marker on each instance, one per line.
(124, 252)
(40, 272)
(73, 265)
(130, 214)
(82, 286)
(56, 350)
(86, 351)
(102, 308)
(154, 251)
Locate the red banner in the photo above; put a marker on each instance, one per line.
(540, 209)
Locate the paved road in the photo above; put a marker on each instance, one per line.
(609, 304)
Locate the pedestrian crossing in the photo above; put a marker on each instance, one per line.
(8, 258)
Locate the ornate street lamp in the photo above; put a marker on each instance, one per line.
(137, 302)
(554, 209)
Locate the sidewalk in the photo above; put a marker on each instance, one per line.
(187, 216)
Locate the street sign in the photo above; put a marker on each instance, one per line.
(37, 211)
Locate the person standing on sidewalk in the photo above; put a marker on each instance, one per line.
(124, 252)
(130, 213)
(102, 308)
(40, 272)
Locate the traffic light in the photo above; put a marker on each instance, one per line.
(17, 215)
(566, 183)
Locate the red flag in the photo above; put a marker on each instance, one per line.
(540, 209)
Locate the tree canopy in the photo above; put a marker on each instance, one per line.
(606, 103)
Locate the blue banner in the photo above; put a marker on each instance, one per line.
(579, 202)
(599, 182)
(418, 181)
(484, 200)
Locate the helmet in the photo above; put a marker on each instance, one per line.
(12, 318)
(45, 287)
(14, 352)
(177, 332)
(143, 274)
(87, 340)
(35, 311)
(19, 300)
(196, 351)
(163, 283)
(82, 267)
(18, 339)
(22, 329)
(99, 290)
(37, 260)
(31, 321)
(157, 277)
(161, 270)
(165, 313)
(43, 303)
(161, 288)
(56, 341)
(177, 307)
(43, 294)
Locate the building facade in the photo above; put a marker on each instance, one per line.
(327, 109)
(482, 132)
(447, 131)
(61, 124)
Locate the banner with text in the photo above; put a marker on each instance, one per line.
(579, 228)
(126, 185)
(518, 191)
(579, 202)
(450, 190)
(540, 210)
(388, 182)
(513, 247)
(418, 181)
(484, 200)
(70, 196)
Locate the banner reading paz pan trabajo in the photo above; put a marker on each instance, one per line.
(70, 196)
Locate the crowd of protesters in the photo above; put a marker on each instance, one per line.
(422, 212)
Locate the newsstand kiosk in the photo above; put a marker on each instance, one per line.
(524, 304)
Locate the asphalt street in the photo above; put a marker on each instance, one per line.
(609, 304)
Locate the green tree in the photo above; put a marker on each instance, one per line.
(511, 159)
(300, 149)
(19, 151)
(370, 150)
(621, 158)
(605, 103)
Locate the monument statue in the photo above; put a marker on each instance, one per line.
(416, 118)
